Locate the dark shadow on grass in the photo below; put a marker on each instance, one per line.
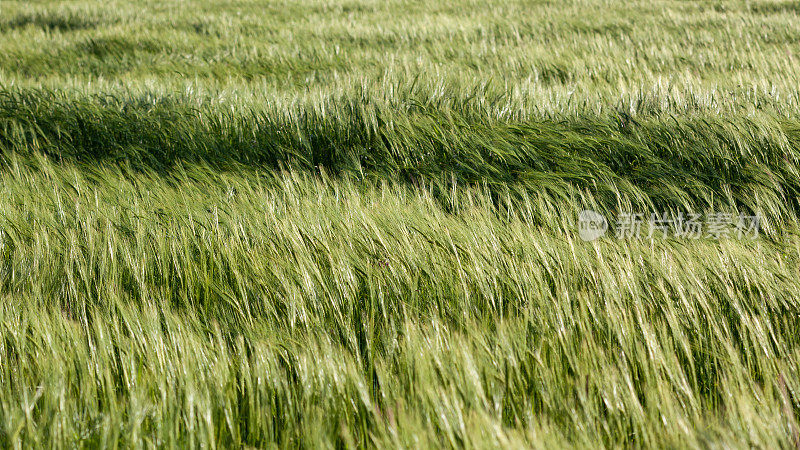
(54, 21)
(618, 161)
(776, 7)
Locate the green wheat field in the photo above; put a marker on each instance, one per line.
(354, 224)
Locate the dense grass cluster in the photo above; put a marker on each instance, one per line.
(353, 224)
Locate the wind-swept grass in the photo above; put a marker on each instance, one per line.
(353, 224)
(242, 308)
(612, 162)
